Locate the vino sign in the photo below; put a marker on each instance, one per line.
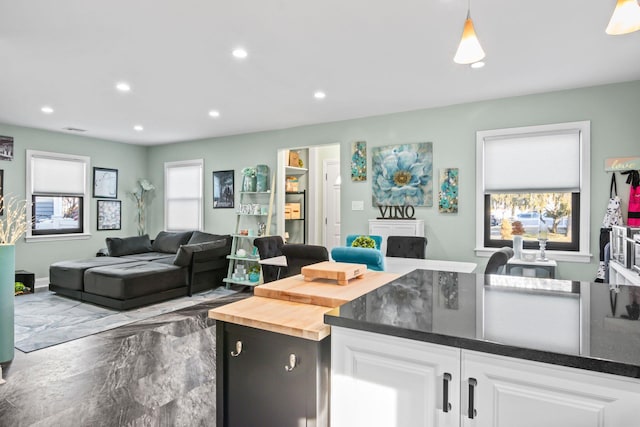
(396, 212)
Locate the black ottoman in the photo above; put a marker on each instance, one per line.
(125, 286)
(69, 275)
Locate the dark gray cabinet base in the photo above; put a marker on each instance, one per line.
(254, 388)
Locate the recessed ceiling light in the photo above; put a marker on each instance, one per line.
(319, 95)
(214, 113)
(239, 53)
(478, 64)
(138, 128)
(46, 109)
(123, 87)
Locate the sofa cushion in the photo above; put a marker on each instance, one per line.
(132, 280)
(128, 245)
(183, 257)
(151, 256)
(70, 274)
(169, 242)
(201, 237)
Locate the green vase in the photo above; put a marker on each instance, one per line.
(7, 282)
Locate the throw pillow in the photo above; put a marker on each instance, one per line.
(170, 242)
(128, 246)
(183, 257)
(201, 237)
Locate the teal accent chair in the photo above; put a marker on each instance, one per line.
(371, 257)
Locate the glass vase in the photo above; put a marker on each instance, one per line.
(249, 184)
(262, 172)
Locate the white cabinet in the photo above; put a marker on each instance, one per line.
(395, 227)
(378, 380)
(514, 392)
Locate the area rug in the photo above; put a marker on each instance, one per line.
(44, 319)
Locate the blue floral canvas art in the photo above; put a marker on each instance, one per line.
(448, 190)
(402, 175)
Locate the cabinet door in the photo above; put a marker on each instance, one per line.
(513, 392)
(257, 389)
(378, 380)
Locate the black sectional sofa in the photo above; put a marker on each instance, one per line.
(137, 271)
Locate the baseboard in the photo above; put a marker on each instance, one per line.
(41, 284)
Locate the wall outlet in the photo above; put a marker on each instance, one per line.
(357, 205)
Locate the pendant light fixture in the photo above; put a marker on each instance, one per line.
(469, 50)
(625, 18)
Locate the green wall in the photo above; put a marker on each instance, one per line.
(615, 130)
(130, 160)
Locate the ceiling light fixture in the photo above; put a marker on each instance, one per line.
(625, 18)
(123, 87)
(46, 109)
(138, 128)
(239, 53)
(469, 49)
(319, 95)
(214, 113)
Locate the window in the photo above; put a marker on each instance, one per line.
(57, 188)
(531, 180)
(183, 195)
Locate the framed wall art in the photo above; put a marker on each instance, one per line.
(448, 200)
(109, 214)
(223, 190)
(6, 147)
(359, 161)
(105, 183)
(402, 175)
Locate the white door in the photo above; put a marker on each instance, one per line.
(331, 203)
(378, 380)
(510, 392)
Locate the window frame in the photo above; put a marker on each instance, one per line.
(85, 209)
(582, 220)
(178, 164)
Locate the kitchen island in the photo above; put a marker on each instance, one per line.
(435, 348)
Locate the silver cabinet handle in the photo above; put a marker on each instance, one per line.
(238, 350)
(446, 406)
(472, 388)
(292, 363)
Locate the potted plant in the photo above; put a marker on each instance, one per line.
(249, 180)
(364, 242)
(254, 273)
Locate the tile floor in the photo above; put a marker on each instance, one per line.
(155, 372)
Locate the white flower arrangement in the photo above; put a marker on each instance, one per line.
(14, 222)
(140, 194)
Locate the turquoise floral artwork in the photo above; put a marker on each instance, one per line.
(448, 191)
(402, 175)
(359, 161)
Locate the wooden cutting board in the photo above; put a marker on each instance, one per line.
(284, 317)
(323, 292)
(341, 272)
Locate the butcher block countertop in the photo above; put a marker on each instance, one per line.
(323, 292)
(295, 307)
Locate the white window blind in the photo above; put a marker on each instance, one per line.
(183, 195)
(536, 161)
(58, 175)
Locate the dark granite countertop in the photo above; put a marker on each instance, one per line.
(577, 324)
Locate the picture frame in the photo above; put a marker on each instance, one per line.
(105, 183)
(109, 215)
(6, 147)
(223, 189)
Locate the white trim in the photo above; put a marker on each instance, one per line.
(185, 163)
(584, 128)
(86, 202)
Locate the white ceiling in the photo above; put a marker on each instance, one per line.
(370, 56)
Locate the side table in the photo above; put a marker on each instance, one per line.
(543, 269)
(27, 278)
